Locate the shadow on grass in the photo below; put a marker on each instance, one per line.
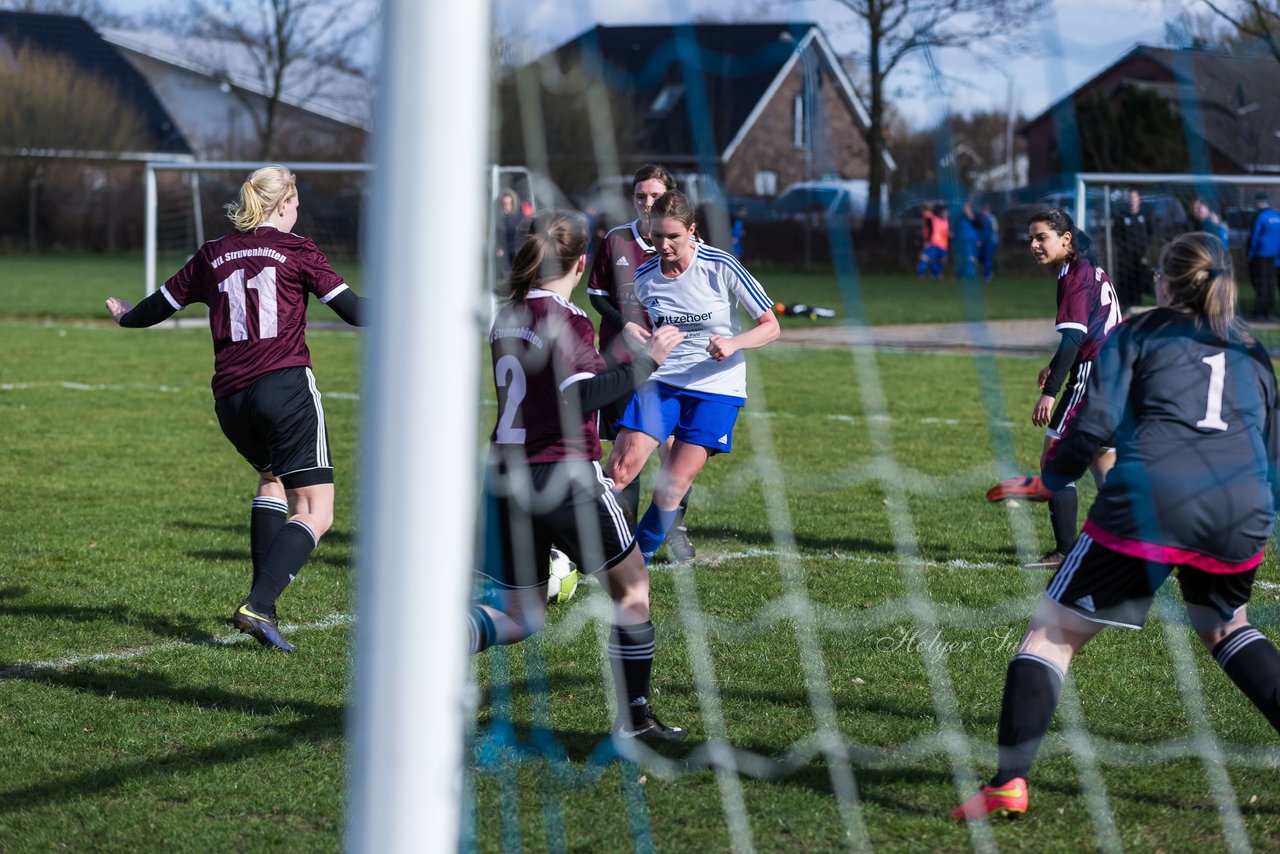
(340, 561)
(317, 722)
(241, 530)
(182, 627)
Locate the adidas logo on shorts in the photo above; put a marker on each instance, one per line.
(1086, 603)
(724, 440)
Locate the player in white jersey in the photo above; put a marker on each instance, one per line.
(695, 396)
(625, 325)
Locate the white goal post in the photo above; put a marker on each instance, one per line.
(194, 168)
(1109, 180)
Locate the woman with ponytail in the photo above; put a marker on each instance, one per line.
(256, 282)
(1188, 398)
(1087, 312)
(544, 485)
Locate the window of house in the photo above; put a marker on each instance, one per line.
(799, 127)
(766, 182)
(667, 98)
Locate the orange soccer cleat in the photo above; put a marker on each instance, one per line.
(1026, 488)
(1007, 801)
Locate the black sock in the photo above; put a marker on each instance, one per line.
(266, 518)
(1062, 516)
(631, 655)
(290, 550)
(1253, 663)
(1031, 689)
(629, 498)
(482, 632)
(683, 508)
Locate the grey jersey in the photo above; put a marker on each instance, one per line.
(1193, 421)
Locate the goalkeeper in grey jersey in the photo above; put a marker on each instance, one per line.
(1188, 399)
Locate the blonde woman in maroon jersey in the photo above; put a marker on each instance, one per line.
(256, 282)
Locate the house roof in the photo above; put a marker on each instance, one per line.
(1236, 100)
(702, 84)
(64, 35)
(335, 94)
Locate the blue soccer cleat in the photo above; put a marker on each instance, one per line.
(261, 628)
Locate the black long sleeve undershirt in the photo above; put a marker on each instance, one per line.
(608, 311)
(1062, 360)
(351, 307)
(152, 310)
(604, 388)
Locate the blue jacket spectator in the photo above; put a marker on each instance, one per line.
(1264, 241)
(1264, 256)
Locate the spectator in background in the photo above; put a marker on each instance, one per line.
(510, 229)
(935, 238)
(1264, 255)
(968, 235)
(1206, 219)
(988, 239)
(737, 230)
(1132, 233)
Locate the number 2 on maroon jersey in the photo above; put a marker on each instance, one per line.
(234, 287)
(1108, 297)
(508, 373)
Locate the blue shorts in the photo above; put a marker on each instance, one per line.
(660, 410)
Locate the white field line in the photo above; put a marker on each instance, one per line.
(162, 389)
(32, 668)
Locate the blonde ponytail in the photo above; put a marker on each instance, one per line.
(1201, 280)
(264, 191)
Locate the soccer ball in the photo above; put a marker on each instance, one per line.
(563, 582)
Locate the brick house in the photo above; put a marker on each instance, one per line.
(757, 106)
(1230, 102)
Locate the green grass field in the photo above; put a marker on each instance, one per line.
(138, 720)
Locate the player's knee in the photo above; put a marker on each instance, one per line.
(530, 622)
(318, 522)
(1210, 627)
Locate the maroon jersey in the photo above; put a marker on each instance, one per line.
(1087, 302)
(256, 285)
(613, 274)
(541, 347)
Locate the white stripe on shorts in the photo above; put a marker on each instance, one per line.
(616, 513)
(322, 447)
(1069, 567)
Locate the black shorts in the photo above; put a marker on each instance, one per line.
(1070, 400)
(528, 509)
(1107, 587)
(608, 415)
(277, 424)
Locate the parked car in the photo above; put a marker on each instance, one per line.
(826, 199)
(1167, 212)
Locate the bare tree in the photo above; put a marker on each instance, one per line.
(1258, 19)
(274, 39)
(898, 29)
(51, 106)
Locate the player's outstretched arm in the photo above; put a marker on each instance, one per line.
(351, 307)
(152, 310)
(1025, 488)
